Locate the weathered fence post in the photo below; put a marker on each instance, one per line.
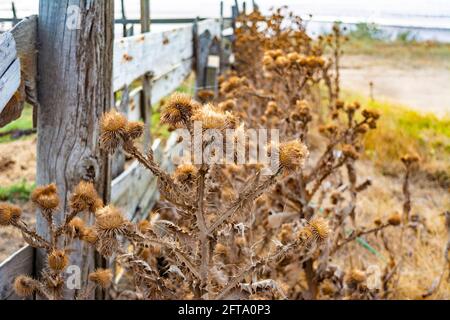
(146, 79)
(75, 89)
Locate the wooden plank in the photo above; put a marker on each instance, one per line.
(155, 53)
(75, 90)
(9, 84)
(171, 80)
(25, 36)
(211, 25)
(207, 35)
(8, 52)
(18, 264)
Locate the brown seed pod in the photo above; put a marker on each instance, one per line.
(76, 227)
(320, 229)
(185, 173)
(9, 214)
(293, 155)
(134, 130)
(25, 286)
(102, 277)
(112, 130)
(89, 235)
(58, 260)
(178, 110)
(46, 197)
(395, 219)
(85, 197)
(110, 219)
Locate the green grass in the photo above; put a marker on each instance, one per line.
(402, 130)
(17, 192)
(162, 131)
(25, 122)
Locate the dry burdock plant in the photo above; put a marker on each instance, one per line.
(228, 231)
(57, 244)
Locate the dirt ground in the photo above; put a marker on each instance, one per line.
(423, 87)
(17, 162)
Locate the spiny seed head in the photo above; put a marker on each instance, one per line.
(134, 130)
(213, 118)
(109, 219)
(85, 197)
(185, 173)
(410, 159)
(25, 286)
(76, 227)
(221, 249)
(371, 114)
(102, 277)
(206, 95)
(395, 219)
(356, 276)
(282, 62)
(178, 110)
(89, 235)
(9, 214)
(46, 197)
(58, 260)
(228, 105)
(293, 155)
(112, 130)
(320, 229)
(350, 151)
(144, 226)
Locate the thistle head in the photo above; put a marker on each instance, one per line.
(410, 160)
(9, 214)
(319, 228)
(25, 286)
(110, 220)
(213, 118)
(395, 219)
(58, 260)
(102, 277)
(293, 155)
(355, 277)
(89, 235)
(46, 197)
(112, 130)
(76, 227)
(350, 151)
(134, 130)
(185, 173)
(85, 198)
(178, 110)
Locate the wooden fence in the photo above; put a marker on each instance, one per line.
(165, 59)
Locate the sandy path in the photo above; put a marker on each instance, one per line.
(425, 88)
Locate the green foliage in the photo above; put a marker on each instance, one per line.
(25, 122)
(366, 31)
(17, 192)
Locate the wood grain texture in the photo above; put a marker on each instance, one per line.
(19, 263)
(75, 89)
(25, 36)
(23, 46)
(155, 53)
(9, 84)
